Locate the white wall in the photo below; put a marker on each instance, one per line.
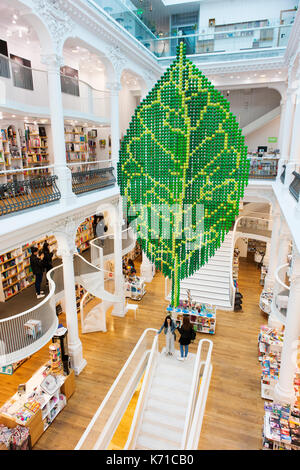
(127, 107)
(237, 11)
(250, 104)
(260, 137)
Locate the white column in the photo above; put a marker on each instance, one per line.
(53, 64)
(114, 88)
(119, 307)
(147, 269)
(284, 389)
(273, 256)
(283, 247)
(66, 249)
(294, 158)
(283, 117)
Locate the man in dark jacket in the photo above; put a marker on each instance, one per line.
(37, 267)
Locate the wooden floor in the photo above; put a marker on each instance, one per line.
(234, 411)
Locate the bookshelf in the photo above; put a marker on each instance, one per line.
(15, 271)
(84, 235)
(23, 146)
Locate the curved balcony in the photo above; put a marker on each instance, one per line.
(281, 293)
(102, 248)
(16, 341)
(25, 89)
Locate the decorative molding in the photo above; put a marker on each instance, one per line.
(58, 22)
(53, 62)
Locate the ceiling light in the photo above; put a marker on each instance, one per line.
(13, 115)
(232, 76)
(15, 17)
(1, 115)
(279, 72)
(14, 22)
(262, 76)
(75, 51)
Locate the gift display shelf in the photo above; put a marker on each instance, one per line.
(203, 321)
(135, 288)
(281, 429)
(36, 409)
(270, 342)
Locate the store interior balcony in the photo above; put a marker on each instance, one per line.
(213, 42)
(24, 88)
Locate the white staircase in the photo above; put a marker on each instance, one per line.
(212, 283)
(162, 422)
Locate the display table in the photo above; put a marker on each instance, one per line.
(135, 288)
(35, 408)
(203, 320)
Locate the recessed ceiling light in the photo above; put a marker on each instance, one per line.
(279, 72)
(262, 76)
(231, 76)
(14, 22)
(15, 17)
(75, 51)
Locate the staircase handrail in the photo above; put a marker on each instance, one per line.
(190, 414)
(277, 278)
(196, 426)
(135, 425)
(110, 392)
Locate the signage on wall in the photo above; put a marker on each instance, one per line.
(272, 139)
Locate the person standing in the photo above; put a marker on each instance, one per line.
(169, 328)
(100, 229)
(37, 267)
(47, 261)
(187, 334)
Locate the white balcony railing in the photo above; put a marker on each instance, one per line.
(281, 292)
(26, 89)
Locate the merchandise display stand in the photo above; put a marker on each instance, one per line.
(36, 409)
(135, 288)
(281, 430)
(270, 342)
(265, 301)
(202, 316)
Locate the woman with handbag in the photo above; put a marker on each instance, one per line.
(187, 334)
(169, 328)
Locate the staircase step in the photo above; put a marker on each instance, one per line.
(168, 409)
(202, 276)
(218, 267)
(163, 394)
(198, 286)
(156, 418)
(163, 381)
(146, 441)
(203, 294)
(210, 282)
(162, 432)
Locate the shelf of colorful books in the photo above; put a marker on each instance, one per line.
(202, 316)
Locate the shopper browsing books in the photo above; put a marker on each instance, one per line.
(47, 261)
(187, 334)
(169, 328)
(37, 267)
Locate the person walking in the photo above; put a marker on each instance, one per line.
(187, 334)
(37, 267)
(47, 261)
(169, 328)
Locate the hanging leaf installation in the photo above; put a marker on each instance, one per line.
(182, 159)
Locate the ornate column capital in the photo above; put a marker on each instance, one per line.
(65, 233)
(53, 62)
(57, 21)
(118, 60)
(114, 87)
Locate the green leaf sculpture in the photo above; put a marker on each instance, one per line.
(183, 151)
